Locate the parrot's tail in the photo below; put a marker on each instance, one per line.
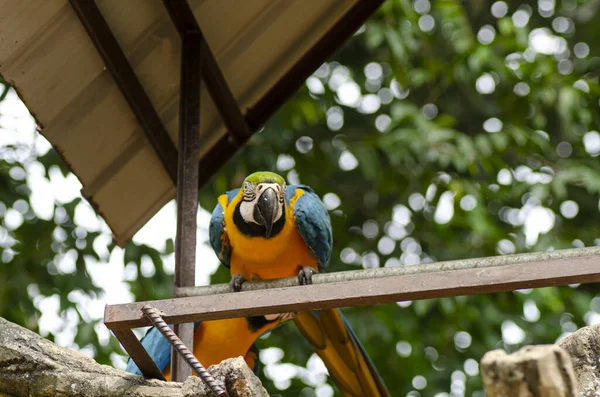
(339, 348)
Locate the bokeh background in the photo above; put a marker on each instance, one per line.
(441, 130)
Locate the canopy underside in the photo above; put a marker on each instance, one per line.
(264, 48)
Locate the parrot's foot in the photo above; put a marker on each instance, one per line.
(236, 282)
(305, 275)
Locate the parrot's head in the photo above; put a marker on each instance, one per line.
(263, 203)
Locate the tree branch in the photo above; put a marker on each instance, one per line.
(31, 365)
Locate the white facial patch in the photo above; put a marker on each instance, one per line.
(247, 207)
(247, 210)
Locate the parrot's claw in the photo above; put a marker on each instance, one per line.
(305, 275)
(236, 282)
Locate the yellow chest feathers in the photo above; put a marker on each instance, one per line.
(285, 250)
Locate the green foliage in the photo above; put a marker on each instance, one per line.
(438, 132)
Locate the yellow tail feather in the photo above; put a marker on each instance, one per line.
(341, 353)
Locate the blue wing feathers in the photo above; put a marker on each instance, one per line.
(216, 230)
(157, 347)
(313, 223)
(215, 233)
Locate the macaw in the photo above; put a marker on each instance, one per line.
(214, 341)
(267, 230)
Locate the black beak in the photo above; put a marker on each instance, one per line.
(266, 209)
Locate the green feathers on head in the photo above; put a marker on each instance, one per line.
(264, 177)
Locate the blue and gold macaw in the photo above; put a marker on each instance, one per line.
(214, 341)
(268, 230)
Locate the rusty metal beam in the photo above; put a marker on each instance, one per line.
(138, 354)
(183, 18)
(257, 115)
(187, 186)
(385, 285)
(117, 64)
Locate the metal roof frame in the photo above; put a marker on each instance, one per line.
(117, 64)
(185, 170)
(197, 61)
(258, 115)
(240, 127)
(82, 68)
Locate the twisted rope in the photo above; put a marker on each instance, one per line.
(156, 319)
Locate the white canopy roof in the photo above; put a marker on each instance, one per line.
(265, 49)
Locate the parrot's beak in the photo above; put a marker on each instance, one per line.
(266, 209)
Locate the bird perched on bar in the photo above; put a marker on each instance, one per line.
(267, 230)
(214, 341)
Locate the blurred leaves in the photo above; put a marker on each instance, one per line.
(489, 108)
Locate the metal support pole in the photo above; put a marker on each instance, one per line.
(187, 186)
(238, 131)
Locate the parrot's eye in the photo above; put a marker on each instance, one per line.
(249, 193)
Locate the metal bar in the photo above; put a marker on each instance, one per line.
(183, 18)
(138, 354)
(154, 316)
(460, 264)
(258, 114)
(127, 81)
(187, 186)
(385, 285)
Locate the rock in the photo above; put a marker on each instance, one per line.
(532, 371)
(584, 348)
